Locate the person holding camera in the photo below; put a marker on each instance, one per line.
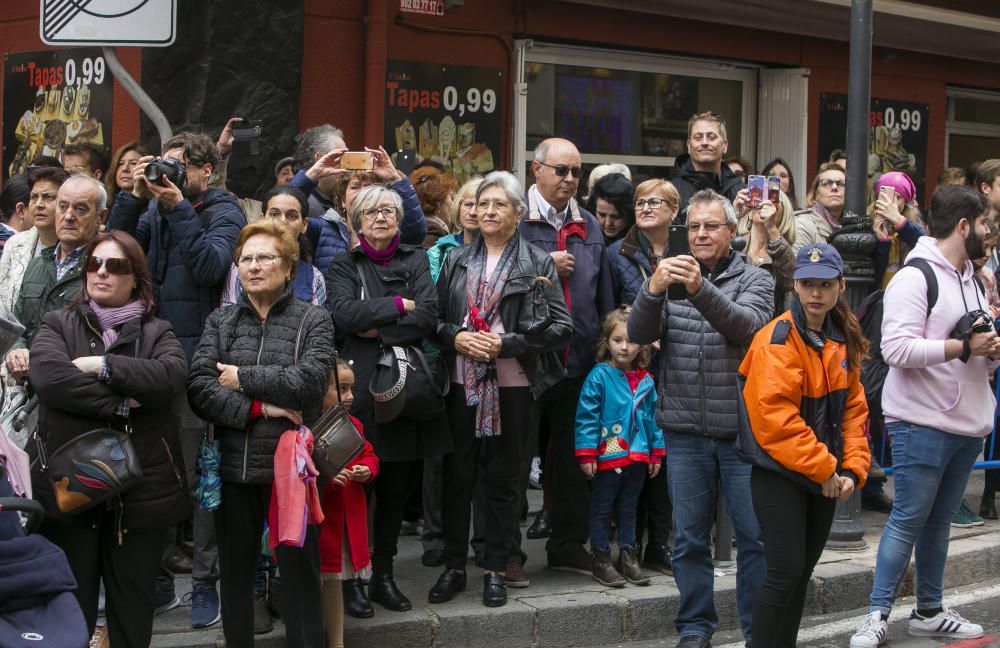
(188, 232)
(938, 406)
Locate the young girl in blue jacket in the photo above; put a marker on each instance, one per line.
(617, 443)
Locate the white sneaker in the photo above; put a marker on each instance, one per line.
(947, 623)
(872, 632)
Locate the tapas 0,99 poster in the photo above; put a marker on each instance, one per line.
(52, 99)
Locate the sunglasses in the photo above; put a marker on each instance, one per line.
(561, 169)
(114, 266)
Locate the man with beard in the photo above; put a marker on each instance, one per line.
(701, 167)
(189, 235)
(938, 406)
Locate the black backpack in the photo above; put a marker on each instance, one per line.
(869, 314)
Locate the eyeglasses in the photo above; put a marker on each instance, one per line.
(652, 203)
(826, 183)
(388, 213)
(43, 197)
(708, 227)
(114, 265)
(561, 169)
(499, 204)
(263, 260)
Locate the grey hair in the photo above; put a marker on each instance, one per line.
(602, 170)
(318, 139)
(102, 193)
(710, 196)
(542, 151)
(370, 197)
(510, 185)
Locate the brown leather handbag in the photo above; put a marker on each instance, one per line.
(336, 441)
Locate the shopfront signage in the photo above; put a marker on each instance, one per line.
(447, 113)
(897, 141)
(427, 7)
(52, 99)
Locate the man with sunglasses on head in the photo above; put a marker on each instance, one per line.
(556, 223)
(188, 232)
(53, 278)
(701, 167)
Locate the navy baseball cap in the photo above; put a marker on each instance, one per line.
(820, 261)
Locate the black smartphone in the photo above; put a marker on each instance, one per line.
(246, 137)
(406, 161)
(677, 244)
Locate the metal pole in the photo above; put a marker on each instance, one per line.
(855, 240)
(132, 87)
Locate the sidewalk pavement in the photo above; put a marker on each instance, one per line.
(561, 609)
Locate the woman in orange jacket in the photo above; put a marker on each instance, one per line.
(804, 433)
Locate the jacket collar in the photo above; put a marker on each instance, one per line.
(129, 333)
(538, 209)
(279, 306)
(632, 247)
(815, 339)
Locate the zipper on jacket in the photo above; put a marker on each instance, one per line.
(170, 456)
(246, 437)
(701, 377)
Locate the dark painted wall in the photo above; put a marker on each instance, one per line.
(232, 58)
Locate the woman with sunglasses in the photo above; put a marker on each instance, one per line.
(825, 207)
(107, 361)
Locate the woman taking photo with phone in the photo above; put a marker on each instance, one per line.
(806, 411)
(896, 223)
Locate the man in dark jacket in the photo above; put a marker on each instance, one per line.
(702, 341)
(701, 167)
(53, 278)
(189, 234)
(571, 235)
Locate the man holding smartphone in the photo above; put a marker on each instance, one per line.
(703, 335)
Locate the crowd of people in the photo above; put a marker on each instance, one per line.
(637, 353)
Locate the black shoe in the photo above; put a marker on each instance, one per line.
(693, 641)
(657, 558)
(541, 527)
(356, 604)
(988, 509)
(432, 558)
(450, 583)
(494, 590)
(880, 502)
(382, 590)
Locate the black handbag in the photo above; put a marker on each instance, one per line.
(404, 384)
(336, 441)
(91, 468)
(539, 306)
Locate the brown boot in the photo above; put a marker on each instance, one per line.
(604, 572)
(628, 565)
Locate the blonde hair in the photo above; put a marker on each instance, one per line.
(785, 222)
(665, 187)
(611, 321)
(467, 190)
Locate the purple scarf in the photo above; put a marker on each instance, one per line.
(825, 213)
(381, 257)
(110, 318)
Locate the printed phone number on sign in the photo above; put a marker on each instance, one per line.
(413, 99)
(430, 7)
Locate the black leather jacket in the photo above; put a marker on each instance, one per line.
(534, 335)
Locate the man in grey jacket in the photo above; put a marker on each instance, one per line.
(703, 339)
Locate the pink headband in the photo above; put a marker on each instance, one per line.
(900, 182)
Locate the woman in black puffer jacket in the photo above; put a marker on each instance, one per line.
(105, 361)
(262, 367)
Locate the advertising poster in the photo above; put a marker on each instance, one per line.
(595, 114)
(52, 99)
(447, 113)
(897, 142)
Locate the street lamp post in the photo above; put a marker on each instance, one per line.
(855, 239)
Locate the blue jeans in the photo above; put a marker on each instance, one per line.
(615, 493)
(930, 471)
(696, 465)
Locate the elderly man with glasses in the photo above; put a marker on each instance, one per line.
(571, 235)
(703, 335)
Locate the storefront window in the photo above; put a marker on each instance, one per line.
(973, 126)
(628, 108)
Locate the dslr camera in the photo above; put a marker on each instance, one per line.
(166, 168)
(977, 321)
